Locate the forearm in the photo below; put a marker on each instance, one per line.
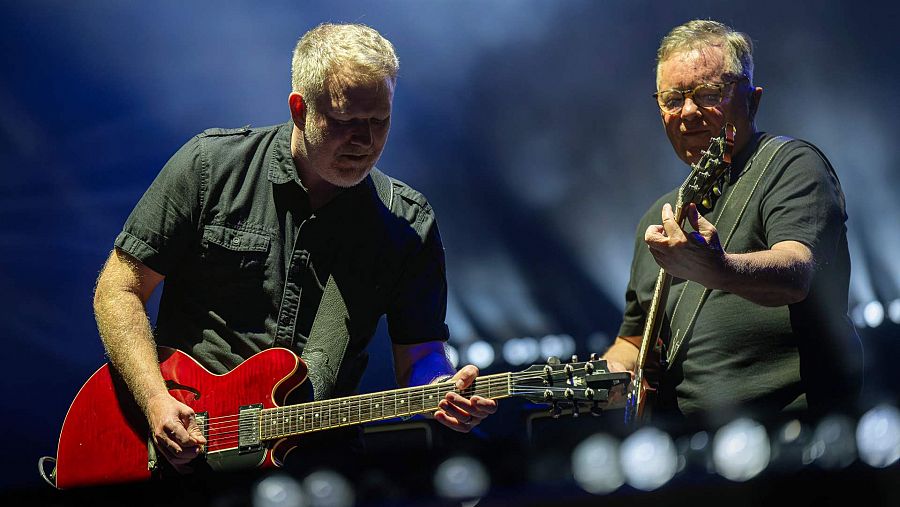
(769, 278)
(125, 330)
(421, 363)
(623, 353)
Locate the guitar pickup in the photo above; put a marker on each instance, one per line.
(249, 431)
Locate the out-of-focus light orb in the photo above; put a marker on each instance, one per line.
(873, 313)
(741, 450)
(452, 355)
(595, 464)
(834, 442)
(648, 459)
(894, 311)
(699, 440)
(480, 353)
(517, 351)
(461, 477)
(278, 490)
(878, 436)
(325, 488)
(559, 345)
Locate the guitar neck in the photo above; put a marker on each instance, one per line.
(657, 307)
(290, 420)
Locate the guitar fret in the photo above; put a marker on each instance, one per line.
(321, 415)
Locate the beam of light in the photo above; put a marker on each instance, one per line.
(878, 436)
(648, 459)
(461, 330)
(741, 450)
(595, 464)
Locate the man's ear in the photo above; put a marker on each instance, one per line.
(298, 109)
(753, 102)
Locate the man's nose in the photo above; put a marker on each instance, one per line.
(689, 109)
(362, 134)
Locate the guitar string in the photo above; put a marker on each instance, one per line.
(234, 429)
(225, 425)
(225, 439)
(474, 390)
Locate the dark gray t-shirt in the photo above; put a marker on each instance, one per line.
(246, 259)
(739, 353)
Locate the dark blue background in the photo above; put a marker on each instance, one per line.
(528, 124)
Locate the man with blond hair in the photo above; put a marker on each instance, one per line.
(250, 229)
(756, 319)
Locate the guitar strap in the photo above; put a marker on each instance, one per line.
(693, 295)
(330, 333)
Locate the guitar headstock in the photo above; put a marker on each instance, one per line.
(709, 170)
(574, 384)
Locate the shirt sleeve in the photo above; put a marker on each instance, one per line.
(804, 202)
(418, 309)
(163, 224)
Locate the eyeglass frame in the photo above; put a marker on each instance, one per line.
(689, 94)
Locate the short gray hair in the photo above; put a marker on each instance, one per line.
(701, 33)
(346, 52)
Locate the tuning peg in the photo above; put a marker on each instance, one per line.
(595, 409)
(548, 375)
(706, 203)
(575, 410)
(553, 361)
(589, 368)
(716, 190)
(594, 356)
(574, 358)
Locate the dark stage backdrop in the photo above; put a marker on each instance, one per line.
(529, 125)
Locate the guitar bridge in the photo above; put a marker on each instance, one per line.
(249, 432)
(202, 420)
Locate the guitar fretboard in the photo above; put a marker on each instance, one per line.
(292, 420)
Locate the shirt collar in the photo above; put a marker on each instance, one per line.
(281, 164)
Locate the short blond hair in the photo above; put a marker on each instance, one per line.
(345, 52)
(700, 33)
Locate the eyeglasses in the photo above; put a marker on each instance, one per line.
(705, 95)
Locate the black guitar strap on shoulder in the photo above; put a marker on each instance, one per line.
(693, 295)
(330, 333)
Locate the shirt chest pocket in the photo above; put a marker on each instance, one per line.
(234, 256)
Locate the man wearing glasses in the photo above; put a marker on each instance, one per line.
(766, 329)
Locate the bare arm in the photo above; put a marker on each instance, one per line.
(774, 277)
(122, 291)
(622, 354)
(424, 363)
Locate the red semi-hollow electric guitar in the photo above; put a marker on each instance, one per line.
(105, 437)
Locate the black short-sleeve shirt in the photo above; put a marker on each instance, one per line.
(246, 259)
(739, 353)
